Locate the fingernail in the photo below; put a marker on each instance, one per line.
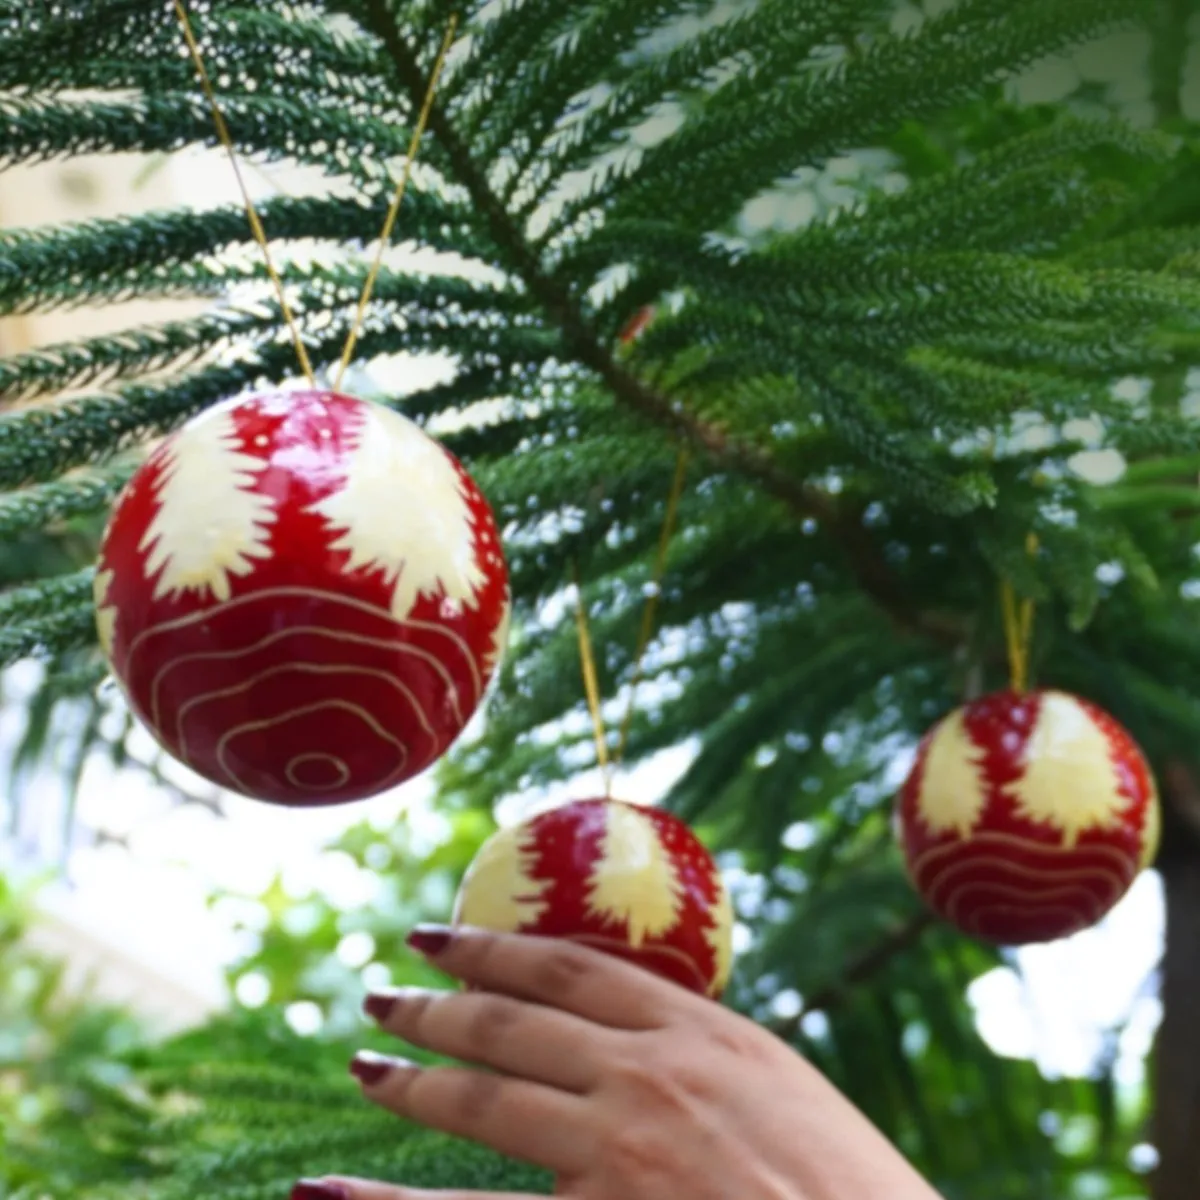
(369, 1069)
(315, 1189)
(430, 940)
(379, 1006)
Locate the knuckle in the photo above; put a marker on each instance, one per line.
(490, 1022)
(473, 1095)
(410, 1012)
(564, 970)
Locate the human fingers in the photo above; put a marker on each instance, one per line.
(558, 973)
(517, 1118)
(529, 1041)
(341, 1188)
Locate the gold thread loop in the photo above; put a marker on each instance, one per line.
(648, 615)
(591, 682)
(1018, 627)
(256, 227)
(397, 201)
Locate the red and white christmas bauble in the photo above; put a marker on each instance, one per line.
(303, 596)
(1027, 817)
(629, 880)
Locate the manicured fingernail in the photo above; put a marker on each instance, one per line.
(430, 940)
(379, 1006)
(369, 1068)
(315, 1189)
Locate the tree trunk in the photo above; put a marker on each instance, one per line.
(1177, 1053)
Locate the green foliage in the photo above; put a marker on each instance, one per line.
(57, 1049)
(882, 402)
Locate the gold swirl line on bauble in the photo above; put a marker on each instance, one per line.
(304, 668)
(313, 630)
(295, 763)
(1078, 875)
(305, 710)
(1012, 841)
(208, 614)
(975, 925)
(600, 941)
(1023, 901)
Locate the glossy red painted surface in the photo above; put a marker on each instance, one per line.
(1058, 814)
(630, 880)
(303, 596)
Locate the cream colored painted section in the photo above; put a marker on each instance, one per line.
(720, 938)
(499, 639)
(499, 891)
(634, 880)
(402, 511)
(210, 523)
(1151, 829)
(953, 790)
(1069, 782)
(106, 614)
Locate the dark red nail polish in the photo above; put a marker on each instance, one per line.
(429, 939)
(379, 1007)
(369, 1069)
(314, 1189)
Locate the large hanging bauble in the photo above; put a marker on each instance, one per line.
(629, 880)
(1027, 817)
(303, 596)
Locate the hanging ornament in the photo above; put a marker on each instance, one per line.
(1026, 817)
(303, 597)
(629, 880)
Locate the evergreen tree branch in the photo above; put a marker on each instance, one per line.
(859, 971)
(805, 500)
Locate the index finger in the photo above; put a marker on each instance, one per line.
(555, 972)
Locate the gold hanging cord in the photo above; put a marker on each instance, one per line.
(1018, 627)
(398, 199)
(256, 226)
(586, 654)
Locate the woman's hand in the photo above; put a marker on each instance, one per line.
(626, 1086)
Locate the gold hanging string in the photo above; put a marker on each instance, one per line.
(256, 226)
(587, 655)
(1018, 627)
(591, 683)
(397, 201)
(660, 569)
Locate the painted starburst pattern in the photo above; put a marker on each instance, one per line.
(403, 511)
(205, 470)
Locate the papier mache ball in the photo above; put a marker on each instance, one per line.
(630, 880)
(303, 596)
(1027, 817)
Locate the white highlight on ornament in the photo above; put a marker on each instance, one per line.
(106, 614)
(499, 891)
(403, 510)
(211, 524)
(953, 789)
(1070, 782)
(634, 880)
